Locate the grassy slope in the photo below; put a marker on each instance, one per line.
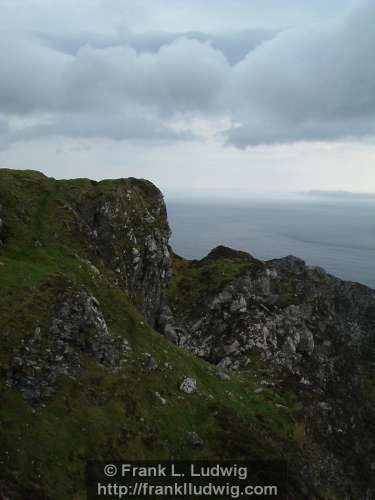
(103, 416)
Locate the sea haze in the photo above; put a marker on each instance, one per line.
(336, 233)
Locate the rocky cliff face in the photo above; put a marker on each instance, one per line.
(284, 354)
(126, 227)
(120, 225)
(307, 330)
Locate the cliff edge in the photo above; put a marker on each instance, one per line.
(112, 347)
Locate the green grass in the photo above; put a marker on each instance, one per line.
(99, 415)
(102, 415)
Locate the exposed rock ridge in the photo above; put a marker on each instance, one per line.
(312, 332)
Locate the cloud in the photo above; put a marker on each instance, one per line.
(4, 134)
(307, 83)
(118, 127)
(234, 45)
(184, 76)
(113, 92)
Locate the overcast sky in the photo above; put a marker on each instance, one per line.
(193, 94)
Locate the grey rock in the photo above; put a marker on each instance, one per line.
(171, 333)
(306, 343)
(233, 348)
(306, 326)
(188, 385)
(77, 327)
(162, 400)
(225, 363)
(194, 439)
(323, 405)
(151, 364)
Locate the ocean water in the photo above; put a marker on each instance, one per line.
(338, 235)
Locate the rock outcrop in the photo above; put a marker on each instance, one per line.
(127, 228)
(76, 327)
(120, 225)
(308, 330)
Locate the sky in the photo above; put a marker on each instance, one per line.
(200, 96)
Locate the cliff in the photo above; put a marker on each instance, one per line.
(297, 328)
(102, 328)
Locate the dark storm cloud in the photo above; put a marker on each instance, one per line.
(300, 84)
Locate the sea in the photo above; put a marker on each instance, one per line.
(335, 233)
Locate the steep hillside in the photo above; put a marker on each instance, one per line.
(300, 329)
(282, 355)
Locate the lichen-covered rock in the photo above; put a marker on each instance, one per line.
(76, 327)
(188, 385)
(309, 331)
(127, 228)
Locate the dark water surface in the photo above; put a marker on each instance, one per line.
(334, 234)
